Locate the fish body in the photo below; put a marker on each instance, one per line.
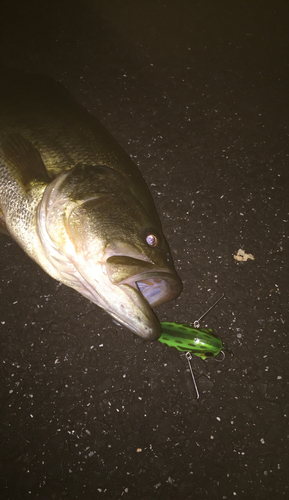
(77, 204)
(202, 342)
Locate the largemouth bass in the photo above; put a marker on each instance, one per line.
(77, 204)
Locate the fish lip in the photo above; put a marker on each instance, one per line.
(150, 325)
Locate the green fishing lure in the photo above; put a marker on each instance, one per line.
(191, 339)
(202, 342)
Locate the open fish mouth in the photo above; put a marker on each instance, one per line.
(145, 286)
(157, 285)
(143, 292)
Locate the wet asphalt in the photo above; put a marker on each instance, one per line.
(197, 93)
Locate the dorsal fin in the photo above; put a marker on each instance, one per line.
(23, 161)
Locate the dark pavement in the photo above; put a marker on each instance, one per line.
(198, 93)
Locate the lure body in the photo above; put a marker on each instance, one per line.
(202, 342)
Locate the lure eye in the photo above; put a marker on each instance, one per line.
(152, 240)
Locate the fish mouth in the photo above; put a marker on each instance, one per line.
(157, 287)
(145, 286)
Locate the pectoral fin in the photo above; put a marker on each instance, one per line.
(23, 161)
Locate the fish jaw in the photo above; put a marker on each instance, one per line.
(129, 302)
(124, 302)
(143, 291)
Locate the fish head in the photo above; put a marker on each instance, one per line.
(109, 246)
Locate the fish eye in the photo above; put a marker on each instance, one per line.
(152, 240)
